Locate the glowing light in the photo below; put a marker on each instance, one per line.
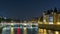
(11, 23)
(56, 32)
(58, 23)
(44, 20)
(12, 30)
(31, 27)
(25, 30)
(25, 24)
(4, 28)
(45, 31)
(50, 22)
(18, 30)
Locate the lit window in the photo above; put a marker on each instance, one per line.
(50, 20)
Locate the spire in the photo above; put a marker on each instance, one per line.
(44, 12)
(55, 9)
(48, 12)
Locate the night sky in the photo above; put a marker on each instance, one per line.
(21, 9)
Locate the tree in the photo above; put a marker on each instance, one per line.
(0, 20)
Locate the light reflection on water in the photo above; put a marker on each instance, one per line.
(29, 31)
(24, 31)
(13, 30)
(44, 31)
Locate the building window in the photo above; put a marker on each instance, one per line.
(50, 19)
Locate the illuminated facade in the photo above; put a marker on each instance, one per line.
(58, 19)
(51, 17)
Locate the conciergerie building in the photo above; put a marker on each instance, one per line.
(51, 16)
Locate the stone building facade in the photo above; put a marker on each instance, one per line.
(51, 17)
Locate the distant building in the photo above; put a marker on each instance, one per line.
(51, 17)
(40, 20)
(34, 19)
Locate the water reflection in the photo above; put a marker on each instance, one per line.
(12, 30)
(20, 29)
(6, 30)
(45, 31)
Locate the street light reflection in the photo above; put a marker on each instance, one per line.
(56, 32)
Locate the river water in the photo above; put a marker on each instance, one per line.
(45, 31)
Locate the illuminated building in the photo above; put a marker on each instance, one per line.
(40, 20)
(34, 19)
(51, 17)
